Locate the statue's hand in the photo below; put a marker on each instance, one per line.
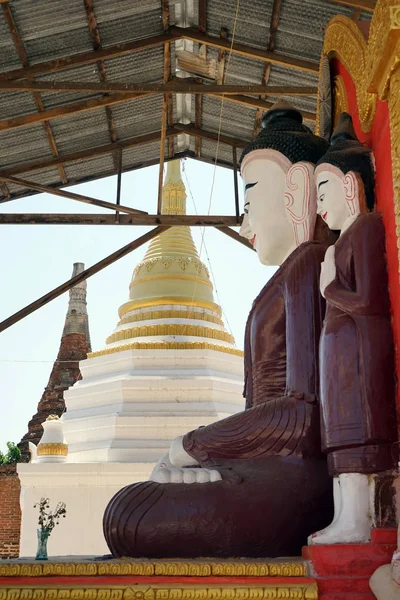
(328, 269)
(186, 475)
(166, 472)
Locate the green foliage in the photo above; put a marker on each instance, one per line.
(12, 455)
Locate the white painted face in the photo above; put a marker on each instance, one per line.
(278, 213)
(337, 195)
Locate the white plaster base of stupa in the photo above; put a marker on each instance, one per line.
(131, 404)
(86, 490)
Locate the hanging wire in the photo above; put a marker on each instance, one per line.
(207, 255)
(203, 229)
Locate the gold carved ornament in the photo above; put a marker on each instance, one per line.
(169, 301)
(170, 314)
(167, 346)
(52, 449)
(170, 276)
(121, 567)
(173, 329)
(299, 591)
(374, 68)
(370, 64)
(340, 103)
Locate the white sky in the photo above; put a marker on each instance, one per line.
(35, 259)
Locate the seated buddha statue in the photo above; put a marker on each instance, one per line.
(255, 483)
(357, 372)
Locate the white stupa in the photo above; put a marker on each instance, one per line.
(168, 367)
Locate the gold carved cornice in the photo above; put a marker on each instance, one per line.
(167, 346)
(171, 314)
(179, 568)
(299, 591)
(340, 98)
(172, 329)
(369, 63)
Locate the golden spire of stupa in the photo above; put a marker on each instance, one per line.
(171, 302)
(171, 271)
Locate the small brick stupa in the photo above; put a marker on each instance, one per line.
(74, 347)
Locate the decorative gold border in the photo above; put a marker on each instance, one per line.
(344, 40)
(168, 300)
(52, 449)
(374, 68)
(299, 591)
(171, 314)
(340, 102)
(166, 261)
(167, 346)
(172, 329)
(178, 568)
(370, 64)
(170, 276)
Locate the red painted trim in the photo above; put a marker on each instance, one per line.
(384, 536)
(380, 141)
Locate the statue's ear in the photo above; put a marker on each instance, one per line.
(301, 201)
(351, 193)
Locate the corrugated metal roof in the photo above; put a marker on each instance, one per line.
(56, 29)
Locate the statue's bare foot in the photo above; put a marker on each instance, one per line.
(352, 521)
(185, 475)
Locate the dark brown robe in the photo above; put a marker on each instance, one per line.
(359, 422)
(275, 489)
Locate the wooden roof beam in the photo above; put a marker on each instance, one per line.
(209, 135)
(32, 185)
(175, 86)
(167, 73)
(256, 103)
(66, 110)
(67, 285)
(247, 51)
(273, 30)
(97, 46)
(86, 58)
(100, 219)
(87, 153)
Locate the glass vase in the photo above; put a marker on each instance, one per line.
(43, 535)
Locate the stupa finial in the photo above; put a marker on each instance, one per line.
(174, 193)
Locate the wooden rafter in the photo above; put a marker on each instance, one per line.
(103, 219)
(97, 47)
(235, 236)
(32, 185)
(198, 118)
(174, 33)
(202, 16)
(85, 58)
(202, 5)
(167, 73)
(177, 129)
(64, 287)
(256, 103)
(175, 86)
(210, 136)
(84, 154)
(19, 46)
(273, 30)
(244, 50)
(66, 110)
